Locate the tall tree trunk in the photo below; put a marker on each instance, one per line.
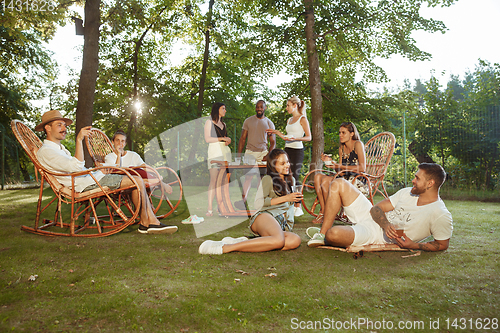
(88, 76)
(420, 155)
(203, 77)
(201, 88)
(315, 88)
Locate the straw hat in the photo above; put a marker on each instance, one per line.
(49, 116)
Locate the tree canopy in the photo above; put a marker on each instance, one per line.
(165, 62)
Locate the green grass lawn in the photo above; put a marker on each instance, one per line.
(155, 283)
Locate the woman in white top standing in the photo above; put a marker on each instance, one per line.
(218, 150)
(298, 131)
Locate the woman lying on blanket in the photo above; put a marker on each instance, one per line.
(352, 160)
(274, 215)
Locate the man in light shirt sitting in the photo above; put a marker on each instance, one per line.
(56, 158)
(128, 159)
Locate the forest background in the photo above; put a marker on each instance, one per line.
(326, 47)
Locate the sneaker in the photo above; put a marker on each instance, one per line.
(240, 205)
(160, 229)
(157, 229)
(193, 219)
(311, 231)
(211, 247)
(298, 211)
(231, 240)
(142, 229)
(317, 240)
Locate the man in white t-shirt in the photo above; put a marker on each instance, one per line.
(256, 151)
(121, 157)
(126, 158)
(419, 209)
(56, 158)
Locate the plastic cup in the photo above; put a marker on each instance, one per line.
(237, 160)
(250, 160)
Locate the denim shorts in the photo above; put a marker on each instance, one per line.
(112, 181)
(284, 224)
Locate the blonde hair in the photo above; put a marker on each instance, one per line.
(301, 105)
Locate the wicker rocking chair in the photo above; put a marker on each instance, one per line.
(99, 145)
(379, 150)
(94, 213)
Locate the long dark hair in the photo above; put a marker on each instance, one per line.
(215, 111)
(280, 187)
(351, 128)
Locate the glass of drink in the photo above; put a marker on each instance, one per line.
(297, 189)
(399, 225)
(237, 160)
(397, 222)
(250, 160)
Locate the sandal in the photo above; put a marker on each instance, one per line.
(209, 213)
(318, 219)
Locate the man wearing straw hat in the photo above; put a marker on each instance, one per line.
(56, 158)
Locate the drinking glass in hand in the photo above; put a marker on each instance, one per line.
(397, 222)
(297, 189)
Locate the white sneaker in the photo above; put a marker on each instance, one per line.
(211, 247)
(317, 240)
(311, 231)
(298, 211)
(231, 240)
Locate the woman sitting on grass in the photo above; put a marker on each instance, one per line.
(274, 200)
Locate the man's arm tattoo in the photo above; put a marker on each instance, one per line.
(378, 216)
(429, 246)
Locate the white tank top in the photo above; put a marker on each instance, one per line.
(297, 131)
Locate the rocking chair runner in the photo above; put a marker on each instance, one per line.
(379, 150)
(99, 145)
(86, 204)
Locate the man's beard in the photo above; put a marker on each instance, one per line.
(417, 191)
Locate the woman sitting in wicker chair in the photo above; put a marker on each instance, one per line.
(353, 160)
